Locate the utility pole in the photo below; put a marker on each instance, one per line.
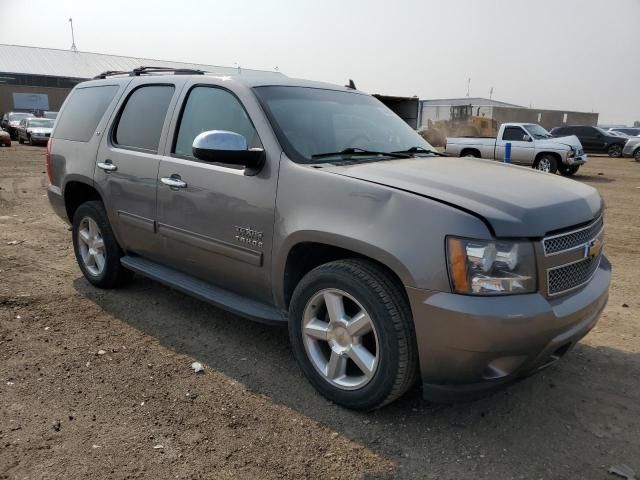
(468, 86)
(491, 93)
(73, 39)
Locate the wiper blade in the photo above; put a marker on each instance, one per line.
(421, 150)
(360, 152)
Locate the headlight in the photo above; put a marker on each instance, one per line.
(486, 267)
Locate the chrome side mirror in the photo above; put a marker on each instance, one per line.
(231, 148)
(526, 138)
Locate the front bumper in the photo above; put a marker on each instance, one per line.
(39, 138)
(578, 160)
(469, 345)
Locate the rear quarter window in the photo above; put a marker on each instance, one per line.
(83, 111)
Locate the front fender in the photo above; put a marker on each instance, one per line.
(404, 231)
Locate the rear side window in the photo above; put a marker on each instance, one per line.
(513, 134)
(142, 117)
(210, 108)
(83, 112)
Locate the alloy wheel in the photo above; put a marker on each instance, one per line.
(544, 165)
(340, 339)
(91, 246)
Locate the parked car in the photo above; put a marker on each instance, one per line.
(618, 134)
(313, 205)
(631, 131)
(11, 120)
(593, 139)
(632, 148)
(5, 138)
(531, 145)
(34, 130)
(48, 114)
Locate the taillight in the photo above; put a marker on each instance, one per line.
(47, 160)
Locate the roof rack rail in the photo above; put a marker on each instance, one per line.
(136, 72)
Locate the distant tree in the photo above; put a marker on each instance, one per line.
(636, 123)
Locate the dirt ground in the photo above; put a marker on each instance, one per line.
(97, 384)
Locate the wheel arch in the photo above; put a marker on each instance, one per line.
(466, 150)
(304, 254)
(76, 192)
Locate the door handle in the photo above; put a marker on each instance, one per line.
(107, 166)
(174, 182)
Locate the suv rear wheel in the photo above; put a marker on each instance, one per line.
(352, 334)
(97, 251)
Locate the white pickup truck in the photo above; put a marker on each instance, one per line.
(531, 145)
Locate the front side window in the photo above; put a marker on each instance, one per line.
(142, 118)
(211, 108)
(314, 121)
(513, 134)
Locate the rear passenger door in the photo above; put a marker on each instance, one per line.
(128, 160)
(521, 151)
(590, 142)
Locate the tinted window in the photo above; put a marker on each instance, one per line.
(82, 112)
(142, 117)
(513, 134)
(210, 108)
(313, 121)
(585, 131)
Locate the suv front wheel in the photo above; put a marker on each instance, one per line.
(97, 251)
(352, 334)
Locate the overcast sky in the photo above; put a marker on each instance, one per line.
(561, 54)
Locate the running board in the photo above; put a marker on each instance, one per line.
(232, 302)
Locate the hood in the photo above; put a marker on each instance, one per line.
(40, 130)
(515, 201)
(571, 141)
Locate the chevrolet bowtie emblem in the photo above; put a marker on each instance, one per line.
(593, 248)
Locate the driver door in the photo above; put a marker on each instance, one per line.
(522, 151)
(218, 225)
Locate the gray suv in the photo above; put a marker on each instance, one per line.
(314, 206)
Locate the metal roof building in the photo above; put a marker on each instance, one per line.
(40, 78)
(476, 101)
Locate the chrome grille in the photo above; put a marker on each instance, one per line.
(568, 277)
(573, 239)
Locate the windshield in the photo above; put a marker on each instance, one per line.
(41, 122)
(50, 115)
(536, 131)
(313, 121)
(13, 117)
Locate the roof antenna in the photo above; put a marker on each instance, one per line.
(73, 39)
(351, 85)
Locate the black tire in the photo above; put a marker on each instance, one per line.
(30, 140)
(391, 316)
(568, 171)
(113, 274)
(546, 163)
(636, 155)
(19, 139)
(615, 151)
